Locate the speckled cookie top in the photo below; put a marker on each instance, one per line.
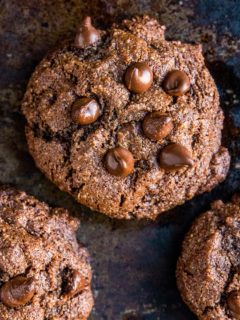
(44, 273)
(130, 123)
(208, 272)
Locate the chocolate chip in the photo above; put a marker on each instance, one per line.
(176, 83)
(175, 156)
(138, 77)
(86, 34)
(233, 302)
(17, 292)
(119, 162)
(157, 126)
(74, 283)
(85, 111)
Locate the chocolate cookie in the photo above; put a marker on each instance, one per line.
(125, 121)
(44, 273)
(208, 271)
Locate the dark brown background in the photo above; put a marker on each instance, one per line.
(133, 262)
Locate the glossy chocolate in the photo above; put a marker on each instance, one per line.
(85, 111)
(75, 283)
(175, 156)
(157, 126)
(176, 83)
(138, 77)
(119, 162)
(87, 34)
(17, 292)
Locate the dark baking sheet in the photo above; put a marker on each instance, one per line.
(133, 262)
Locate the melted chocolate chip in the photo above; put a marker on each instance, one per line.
(87, 34)
(233, 302)
(175, 156)
(74, 283)
(176, 83)
(138, 77)
(119, 162)
(17, 292)
(157, 126)
(85, 111)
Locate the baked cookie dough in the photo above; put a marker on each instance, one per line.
(126, 122)
(44, 273)
(208, 270)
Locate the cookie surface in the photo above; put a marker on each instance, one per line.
(208, 270)
(127, 76)
(44, 273)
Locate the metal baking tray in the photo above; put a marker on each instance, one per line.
(133, 262)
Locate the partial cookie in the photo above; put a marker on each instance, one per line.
(44, 273)
(208, 271)
(125, 121)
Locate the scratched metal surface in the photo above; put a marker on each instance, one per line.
(133, 262)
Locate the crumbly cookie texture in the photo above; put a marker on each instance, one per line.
(44, 273)
(208, 270)
(87, 146)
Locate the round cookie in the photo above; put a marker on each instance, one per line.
(208, 270)
(125, 121)
(44, 273)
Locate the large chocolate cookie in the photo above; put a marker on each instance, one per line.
(44, 273)
(125, 121)
(208, 271)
